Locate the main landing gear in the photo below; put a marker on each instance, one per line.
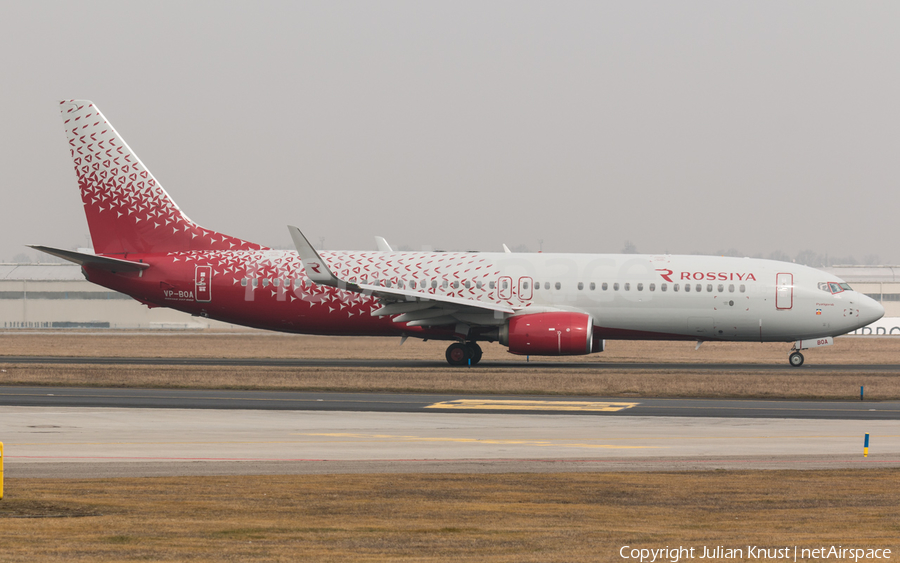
(463, 353)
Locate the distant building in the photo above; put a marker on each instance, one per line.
(58, 296)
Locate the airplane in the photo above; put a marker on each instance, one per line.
(535, 304)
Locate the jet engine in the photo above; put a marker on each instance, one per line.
(550, 334)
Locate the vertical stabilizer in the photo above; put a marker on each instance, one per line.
(126, 208)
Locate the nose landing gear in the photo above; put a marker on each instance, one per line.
(462, 353)
(796, 359)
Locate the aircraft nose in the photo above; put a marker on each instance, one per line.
(869, 309)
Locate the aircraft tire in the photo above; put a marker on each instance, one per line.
(796, 359)
(458, 354)
(475, 351)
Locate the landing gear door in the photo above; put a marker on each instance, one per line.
(784, 291)
(203, 284)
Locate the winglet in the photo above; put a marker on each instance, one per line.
(383, 245)
(315, 267)
(506, 249)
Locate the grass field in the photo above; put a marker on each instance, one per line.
(507, 517)
(499, 372)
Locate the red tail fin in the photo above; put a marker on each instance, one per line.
(127, 210)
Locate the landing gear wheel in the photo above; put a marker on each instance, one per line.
(475, 350)
(458, 354)
(796, 359)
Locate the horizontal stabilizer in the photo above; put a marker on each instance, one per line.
(101, 262)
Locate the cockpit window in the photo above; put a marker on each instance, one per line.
(834, 287)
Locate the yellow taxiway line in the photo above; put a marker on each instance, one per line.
(521, 405)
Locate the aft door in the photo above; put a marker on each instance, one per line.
(203, 284)
(784, 291)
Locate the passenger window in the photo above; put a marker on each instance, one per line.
(412, 284)
(627, 287)
(640, 287)
(699, 287)
(255, 282)
(593, 286)
(387, 283)
(708, 287)
(580, 286)
(742, 288)
(433, 284)
(244, 282)
(546, 285)
(524, 285)
(277, 282)
(687, 287)
(663, 287)
(478, 285)
(445, 284)
(604, 287)
(616, 286)
(265, 282)
(455, 284)
(504, 285)
(721, 288)
(491, 285)
(652, 287)
(731, 288)
(468, 285)
(558, 285)
(675, 287)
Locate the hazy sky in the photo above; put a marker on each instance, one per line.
(680, 126)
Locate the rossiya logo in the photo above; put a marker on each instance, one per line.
(667, 274)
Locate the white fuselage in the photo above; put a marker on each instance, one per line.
(644, 296)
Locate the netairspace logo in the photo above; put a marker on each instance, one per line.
(681, 553)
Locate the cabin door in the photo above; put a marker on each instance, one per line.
(784, 291)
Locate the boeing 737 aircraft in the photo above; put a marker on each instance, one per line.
(535, 304)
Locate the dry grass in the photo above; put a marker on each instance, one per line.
(549, 381)
(511, 517)
(515, 376)
(262, 344)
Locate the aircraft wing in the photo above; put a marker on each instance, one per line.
(413, 307)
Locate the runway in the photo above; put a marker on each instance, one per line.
(432, 364)
(173, 432)
(417, 403)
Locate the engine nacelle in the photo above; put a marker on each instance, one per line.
(550, 334)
